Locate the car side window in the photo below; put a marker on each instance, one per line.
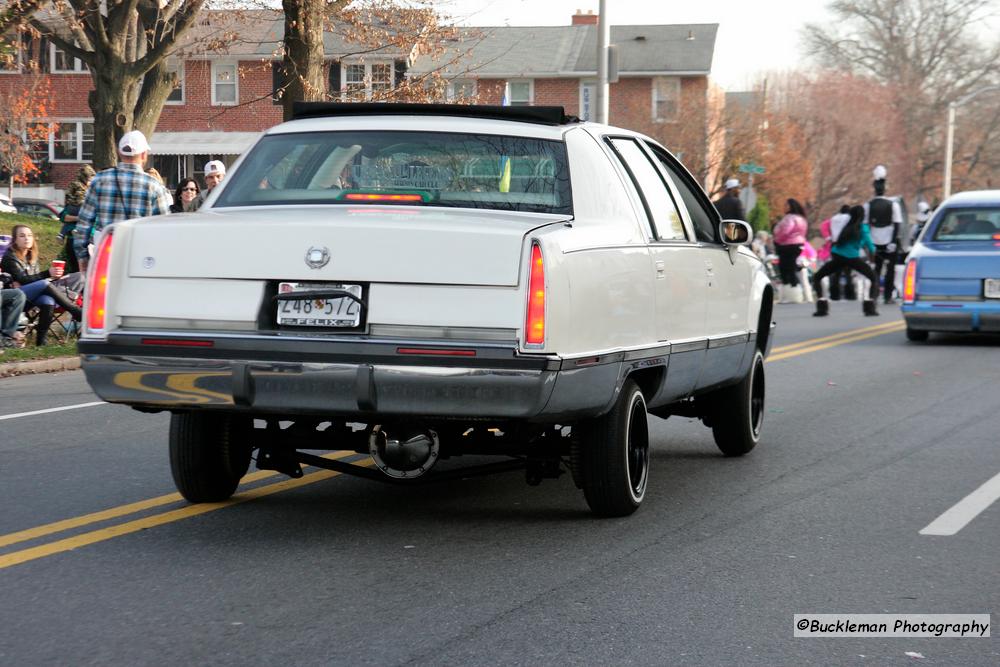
(704, 221)
(660, 207)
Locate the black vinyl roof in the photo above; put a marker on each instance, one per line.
(541, 115)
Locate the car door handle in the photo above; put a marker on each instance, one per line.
(660, 268)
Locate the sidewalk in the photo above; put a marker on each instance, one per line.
(12, 368)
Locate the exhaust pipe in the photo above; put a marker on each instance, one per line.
(404, 459)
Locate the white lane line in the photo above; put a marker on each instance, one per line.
(48, 410)
(967, 509)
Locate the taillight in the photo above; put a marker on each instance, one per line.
(97, 287)
(910, 282)
(534, 322)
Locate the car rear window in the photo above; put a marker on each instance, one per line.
(410, 168)
(972, 224)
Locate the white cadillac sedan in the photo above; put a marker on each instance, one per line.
(419, 282)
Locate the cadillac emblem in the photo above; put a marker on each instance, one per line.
(317, 258)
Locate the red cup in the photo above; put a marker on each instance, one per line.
(59, 266)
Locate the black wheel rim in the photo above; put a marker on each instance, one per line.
(638, 448)
(757, 398)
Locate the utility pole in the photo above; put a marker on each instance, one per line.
(603, 37)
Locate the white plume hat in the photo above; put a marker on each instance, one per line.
(880, 173)
(732, 183)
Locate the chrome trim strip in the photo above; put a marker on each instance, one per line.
(647, 352)
(690, 345)
(727, 340)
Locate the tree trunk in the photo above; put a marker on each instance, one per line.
(303, 57)
(113, 104)
(156, 88)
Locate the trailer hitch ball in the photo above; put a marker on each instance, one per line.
(404, 458)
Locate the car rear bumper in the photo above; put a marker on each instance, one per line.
(972, 316)
(276, 375)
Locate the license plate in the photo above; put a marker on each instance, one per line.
(992, 288)
(319, 312)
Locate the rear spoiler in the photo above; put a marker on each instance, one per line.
(544, 115)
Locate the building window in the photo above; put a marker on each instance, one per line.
(521, 93)
(69, 141)
(224, 84)
(461, 90)
(365, 81)
(176, 95)
(63, 63)
(666, 98)
(381, 77)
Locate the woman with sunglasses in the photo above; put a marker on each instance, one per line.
(187, 192)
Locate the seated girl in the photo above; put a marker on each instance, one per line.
(21, 262)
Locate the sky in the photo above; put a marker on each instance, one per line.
(753, 37)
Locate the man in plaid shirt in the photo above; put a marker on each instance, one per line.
(119, 193)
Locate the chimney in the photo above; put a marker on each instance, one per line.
(590, 18)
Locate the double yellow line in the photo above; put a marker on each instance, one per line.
(169, 516)
(833, 340)
(102, 534)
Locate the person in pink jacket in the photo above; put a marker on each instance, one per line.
(789, 237)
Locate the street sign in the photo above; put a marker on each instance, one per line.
(751, 168)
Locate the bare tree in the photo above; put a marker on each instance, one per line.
(125, 45)
(370, 27)
(928, 54)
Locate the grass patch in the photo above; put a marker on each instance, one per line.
(33, 353)
(45, 234)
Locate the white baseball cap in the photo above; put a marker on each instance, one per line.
(880, 172)
(732, 183)
(215, 167)
(133, 143)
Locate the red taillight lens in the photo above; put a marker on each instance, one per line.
(97, 287)
(910, 282)
(534, 322)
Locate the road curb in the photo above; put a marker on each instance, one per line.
(56, 365)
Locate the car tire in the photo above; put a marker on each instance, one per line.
(739, 411)
(614, 456)
(917, 335)
(207, 459)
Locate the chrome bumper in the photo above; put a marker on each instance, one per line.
(339, 379)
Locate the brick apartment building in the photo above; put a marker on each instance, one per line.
(224, 100)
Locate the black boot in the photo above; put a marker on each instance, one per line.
(69, 306)
(822, 308)
(43, 323)
(868, 306)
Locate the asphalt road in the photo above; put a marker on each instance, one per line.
(867, 440)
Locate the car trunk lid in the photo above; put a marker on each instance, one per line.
(353, 244)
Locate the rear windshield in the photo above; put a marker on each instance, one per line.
(973, 224)
(415, 168)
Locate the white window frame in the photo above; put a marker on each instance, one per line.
(654, 97)
(216, 66)
(79, 140)
(179, 68)
(78, 66)
(368, 80)
(531, 92)
(452, 92)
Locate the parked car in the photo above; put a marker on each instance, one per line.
(40, 208)
(6, 206)
(419, 282)
(952, 279)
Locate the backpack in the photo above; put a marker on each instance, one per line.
(880, 212)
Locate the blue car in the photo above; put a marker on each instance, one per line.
(952, 279)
